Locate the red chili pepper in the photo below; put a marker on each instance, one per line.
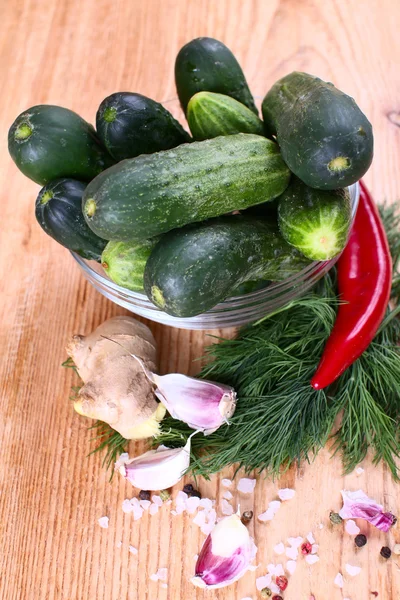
(364, 283)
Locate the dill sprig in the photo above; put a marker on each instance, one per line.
(280, 419)
(111, 442)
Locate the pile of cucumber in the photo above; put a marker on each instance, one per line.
(192, 220)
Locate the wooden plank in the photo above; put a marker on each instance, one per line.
(75, 53)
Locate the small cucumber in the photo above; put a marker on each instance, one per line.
(192, 269)
(324, 137)
(131, 124)
(58, 211)
(210, 115)
(146, 196)
(315, 222)
(47, 142)
(207, 65)
(124, 262)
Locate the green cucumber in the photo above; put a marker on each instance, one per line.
(131, 124)
(124, 262)
(207, 65)
(324, 137)
(146, 196)
(47, 142)
(210, 115)
(192, 269)
(316, 222)
(248, 287)
(58, 211)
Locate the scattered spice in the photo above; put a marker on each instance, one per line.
(266, 592)
(306, 548)
(279, 548)
(277, 598)
(165, 495)
(351, 527)
(386, 552)
(188, 488)
(335, 518)
(282, 582)
(144, 495)
(246, 485)
(375, 594)
(103, 522)
(195, 494)
(352, 570)
(247, 516)
(360, 540)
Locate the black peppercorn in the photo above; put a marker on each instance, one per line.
(188, 488)
(386, 552)
(144, 495)
(195, 494)
(360, 540)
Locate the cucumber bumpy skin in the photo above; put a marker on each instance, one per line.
(324, 137)
(316, 222)
(143, 197)
(124, 262)
(194, 268)
(210, 115)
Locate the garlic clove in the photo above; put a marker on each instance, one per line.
(357, 505)
(225, 556)
(158, 469)
(203, 405)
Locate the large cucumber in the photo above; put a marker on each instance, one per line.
(145, 196)
(210, 115)
(324, 137)
(124, 262)
(47, 142)
(192, 269)
(131, 124)
(316, 222)
(207, 65)
(58, 211)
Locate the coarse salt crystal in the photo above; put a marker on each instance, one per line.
(137, 510)
(310, 538)
(352, 570)
(292, 553)
(127, 506)
(195, 557)
(351, 527)
(276, 569)
(314, 548)
(207, 528)
(339, 580)
(180, 508)
(192, 504)
(264, 581)
(295, 542)
(157, 500)
(173, 513)
(321, 526)
(226, 508)
(164, 585)
(286, 494)
(227, 495)
(133, 550)
(154, 577)
(103, 522)
(145, 504)
(226, 482)
(120, 463)
(181, 497)
(246, 485)
(206, 503)
(153, 510)
(291, 566)
(162, 574)
(359, 470)
(247, 598)
(268, 515)
(253, 567)
(119, 544)
(275, 589)
(279, 548)
(200, 518)
(312, 559)
(274, 505)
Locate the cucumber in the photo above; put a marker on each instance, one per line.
(47, 142)
(210, 115)
(145, 196)
(192, 269)
(131, 124)
(207, 65)
(316, 222)
(324, 137)
(248, 287)
(124, 262)
(58, 211)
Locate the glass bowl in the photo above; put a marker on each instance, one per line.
(234, 311)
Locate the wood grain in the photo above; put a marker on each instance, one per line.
(75, 53)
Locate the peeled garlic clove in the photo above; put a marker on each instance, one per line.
(203, 405)
(157, 469)
(225, 556)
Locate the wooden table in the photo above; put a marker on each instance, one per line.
(75, 53)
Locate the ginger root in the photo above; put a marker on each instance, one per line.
(116, 390)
